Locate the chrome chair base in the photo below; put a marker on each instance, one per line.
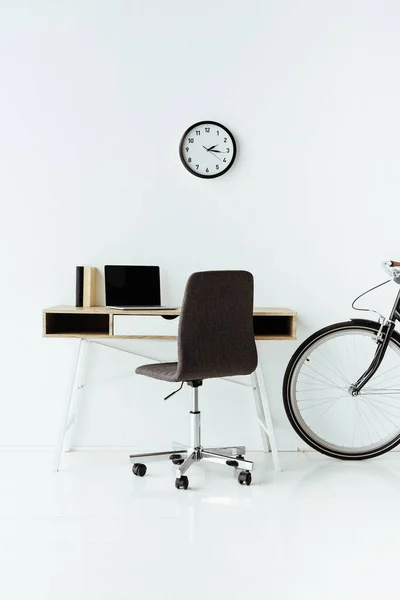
(231, 456)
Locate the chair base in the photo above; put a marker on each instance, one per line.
(232, 456)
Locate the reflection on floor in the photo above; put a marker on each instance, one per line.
(322, 529)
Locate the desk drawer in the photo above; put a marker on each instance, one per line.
(145, 325)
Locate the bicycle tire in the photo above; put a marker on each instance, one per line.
(298, 357)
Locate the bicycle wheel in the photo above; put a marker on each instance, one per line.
(318, 402)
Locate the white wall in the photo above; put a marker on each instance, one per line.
(94, 98)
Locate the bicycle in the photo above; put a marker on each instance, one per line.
(341, 388)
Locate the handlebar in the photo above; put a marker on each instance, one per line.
(392, 268)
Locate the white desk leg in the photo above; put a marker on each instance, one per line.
(76, 396)
(67, 406)
(260, 412)
(264, 416)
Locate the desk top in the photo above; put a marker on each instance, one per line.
(104, 310)
(272, 323)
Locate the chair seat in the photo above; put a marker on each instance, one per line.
(164, 371)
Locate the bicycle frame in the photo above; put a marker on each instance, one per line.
(383, 338)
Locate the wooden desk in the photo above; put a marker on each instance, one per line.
(102, 322)
(91, 325)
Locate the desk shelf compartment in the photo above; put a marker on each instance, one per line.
(76, 324)
(274, 327)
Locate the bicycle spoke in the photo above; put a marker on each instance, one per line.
(334, 369)
(394, 395)
(382, 412)
(325, 380)
(329, 408)
(318, 389)
(317, 399)
(385, 412)
(375, 377)
(349, 356)
(329, 352)
(319, 404)
(362, 415)
(382, 401)
(392, 388)
(320, 380)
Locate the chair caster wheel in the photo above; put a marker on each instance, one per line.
(139, 470)
(182, 482)
(177, 459)
(244, 478)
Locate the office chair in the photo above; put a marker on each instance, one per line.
(215, 339)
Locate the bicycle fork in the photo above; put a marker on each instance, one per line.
(382, 340)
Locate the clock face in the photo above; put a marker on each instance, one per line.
(207, 149)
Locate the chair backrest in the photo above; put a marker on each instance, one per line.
(216, 337)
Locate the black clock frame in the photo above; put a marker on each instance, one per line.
(181, 154)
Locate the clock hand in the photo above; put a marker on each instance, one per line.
(220, 151)
(216, 156)
(212, 148)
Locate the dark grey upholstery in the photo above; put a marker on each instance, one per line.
(216, 337)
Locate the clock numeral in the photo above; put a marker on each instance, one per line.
(224, 160)
(207, 170)
(227, 150)
(189, 160)
(207, 129)
(217, 167)
(217, 131)
(191, 140)
(197, 166)
(225, 140)
(197, 132)
(187, 149)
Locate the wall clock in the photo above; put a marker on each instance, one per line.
(207, 149)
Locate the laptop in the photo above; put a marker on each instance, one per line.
(130, 287)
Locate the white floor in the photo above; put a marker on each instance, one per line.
(321, 529)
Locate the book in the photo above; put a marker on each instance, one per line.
(79, 287)
(89, 286)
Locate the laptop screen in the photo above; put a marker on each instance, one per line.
(132, 285)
